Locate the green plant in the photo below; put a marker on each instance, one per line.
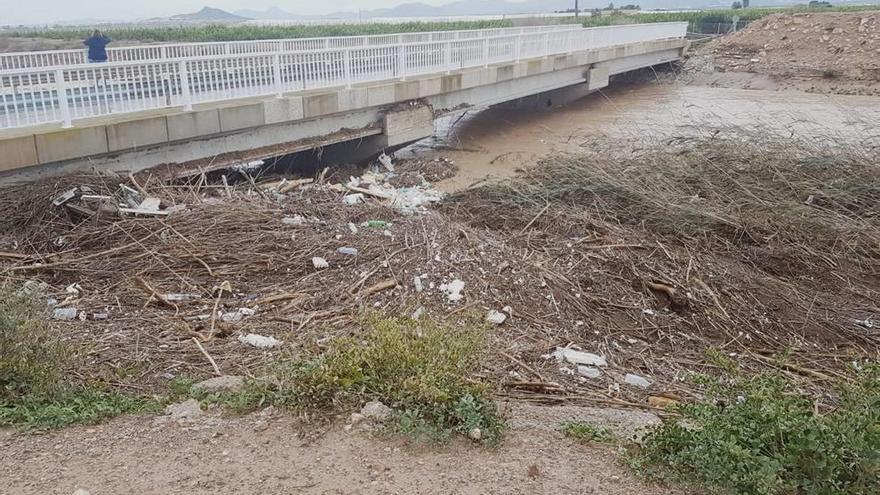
(32, 354)
(585, 432)
(86, 405)
(34, 391)
(418, 368)
(759, 436)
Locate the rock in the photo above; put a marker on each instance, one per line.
(225, 383)
(81, 491)
(357, 418)
(188, 409)
(247, 311)
(376, 411)
(577, 357)
(589, 371)
(348, 251)
(385, 160)
(259, 341)
(496, 317)
(352, 228)
(320, 263)
(261, 425)
(64, 314)
(636, 380)
(418, 313)
(475, 434)
(417, 283)
(453, 290)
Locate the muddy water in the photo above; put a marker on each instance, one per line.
(496, 142)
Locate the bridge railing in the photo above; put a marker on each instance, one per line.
(64, 94)
(157, 52)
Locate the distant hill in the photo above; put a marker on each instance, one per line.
(209, 14)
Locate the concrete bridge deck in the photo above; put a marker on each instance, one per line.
(130, 116)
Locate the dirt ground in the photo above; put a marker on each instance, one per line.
(825, 53)
(213, 455)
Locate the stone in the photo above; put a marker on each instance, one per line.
(475, 434)
(188, 409)
(348, 251)
(320, 263)
(357, 418)
(225, 383)
(376, 411)
(81, 491)
(261, 425)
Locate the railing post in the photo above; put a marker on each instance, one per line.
(63, 104)
(517, 45)
(546, 44)
(401, 62)
(183, 81)
(276, 72)
(346, 62)
(447, 56)
(485, 52)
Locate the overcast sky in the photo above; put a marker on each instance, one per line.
(48, 11)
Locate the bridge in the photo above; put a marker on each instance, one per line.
(228, 102)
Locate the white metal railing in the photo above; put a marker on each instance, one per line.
(51, 58)
(63, 94)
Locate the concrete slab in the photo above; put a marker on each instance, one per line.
(242, 117)
(597, 77)
(138, 133)
(406, 90)
(18, 152)
(283, 109)
(193, 124)
(71, 143)
(321, 104)
(380, 95)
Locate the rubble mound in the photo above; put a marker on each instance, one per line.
(836, 49)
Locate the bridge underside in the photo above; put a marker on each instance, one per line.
(374, 117)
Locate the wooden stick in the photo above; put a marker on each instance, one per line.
(384, 285)
(84, 258)
(534, 219)
(524, 365)
(210, 359)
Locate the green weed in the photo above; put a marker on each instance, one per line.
(585, 432)
(759, 436)
(418, 368)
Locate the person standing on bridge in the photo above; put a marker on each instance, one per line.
(97, 44)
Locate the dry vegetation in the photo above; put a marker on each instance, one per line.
(766, 253)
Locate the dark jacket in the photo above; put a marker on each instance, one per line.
(97, 48)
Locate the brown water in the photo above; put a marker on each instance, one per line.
(496, 142)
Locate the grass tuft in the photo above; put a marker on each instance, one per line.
(585, 432)
(759, 436)
(418, 368)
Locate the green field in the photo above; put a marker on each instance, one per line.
(241, 33)
(702, 21)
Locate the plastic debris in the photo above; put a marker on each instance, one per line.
(349, 251)
(353, 199)
(247, 311)
(376, 224)
(352, 228)
(64, 314)
(496, 317)
(232, 317)
(295, 220)
(578, 357)
(453, 290)
(636, 380)
(589, 371)
(259, 341)
(319, 262)
(417, 283)
(418, 313)
(385, 160)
